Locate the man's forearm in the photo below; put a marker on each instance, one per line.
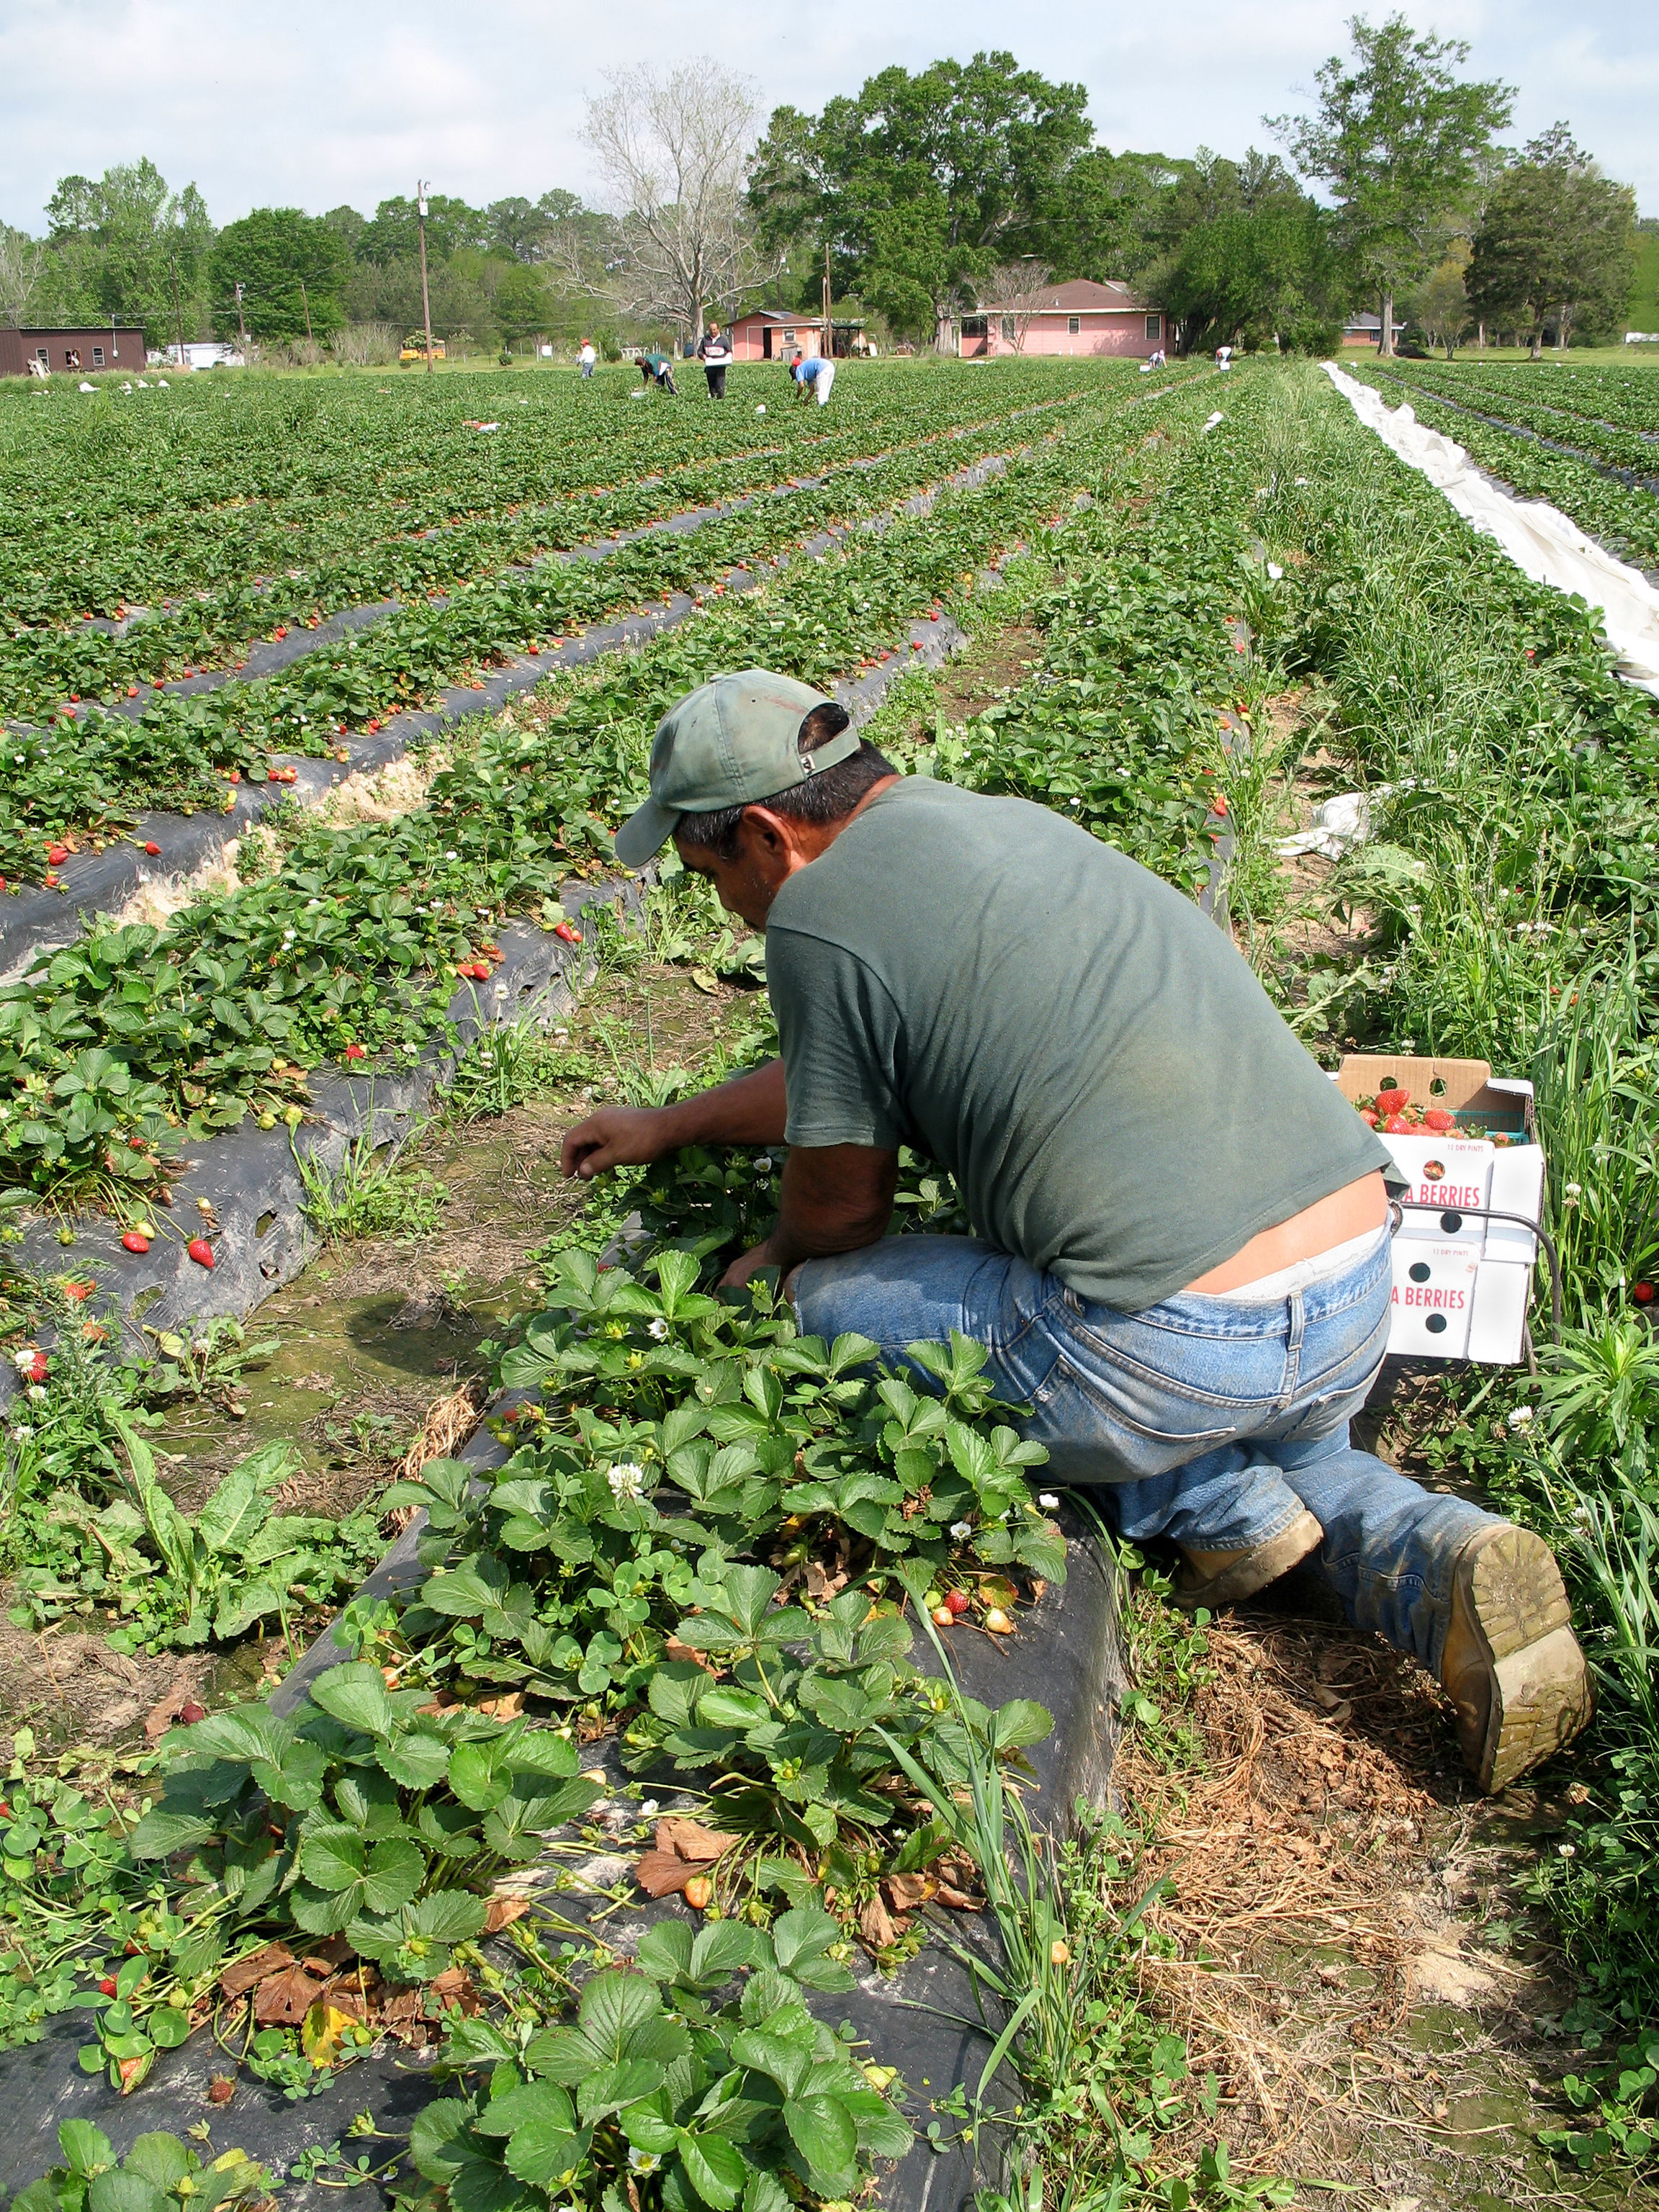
(751, 1110)
(835, 1198)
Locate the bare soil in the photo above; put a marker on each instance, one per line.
(1351, 1949)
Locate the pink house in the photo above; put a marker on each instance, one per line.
(769, 334)
(1078, 317)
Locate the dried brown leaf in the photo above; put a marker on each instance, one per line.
(241, 1974)
(284, 1999)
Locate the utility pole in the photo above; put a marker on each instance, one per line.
(241, 321)
(829, 323)
(426, 296)
(178, 315)
(305, 304)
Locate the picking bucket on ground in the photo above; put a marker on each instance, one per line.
(1468, 1237)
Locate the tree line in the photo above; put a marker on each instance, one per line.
(924, 195)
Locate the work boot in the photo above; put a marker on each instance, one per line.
(1219, 1578)
(1512, 1664)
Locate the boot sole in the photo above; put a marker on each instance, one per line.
(1256, 1568)
(1540, 1688)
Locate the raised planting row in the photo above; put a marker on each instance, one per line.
(1510, 883)
(1616, 398)
(209, 490)
(89, 773)
(43, 667)
(1160, 627)
(133, 1041)
(701, 1548)
(1533, 404)
(1622, 517)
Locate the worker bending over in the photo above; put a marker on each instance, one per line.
(814, 373)
(1182, 1263)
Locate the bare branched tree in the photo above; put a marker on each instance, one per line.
(20, 271)
(673, 146)
(1017, 290)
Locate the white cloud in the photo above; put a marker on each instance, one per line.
(313, 103)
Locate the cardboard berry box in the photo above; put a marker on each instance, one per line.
(1462, 1282)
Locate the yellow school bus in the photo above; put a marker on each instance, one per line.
(415, 348)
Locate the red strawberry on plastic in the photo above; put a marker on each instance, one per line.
(56, 855)
(132, 1242)
(152, 849)
(570, 936)
(957, 1599)
(356, 1052)
(201, 1251)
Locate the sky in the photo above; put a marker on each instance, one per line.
(314, 102)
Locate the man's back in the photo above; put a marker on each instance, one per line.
(1082, 1047)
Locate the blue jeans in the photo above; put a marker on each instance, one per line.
(1214, 1421)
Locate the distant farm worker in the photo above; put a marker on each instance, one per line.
(816, 373)
(587, 357)
(1224, 356)
(1156, 358)
(714, 352)
(656, 368)
(1181, 1262)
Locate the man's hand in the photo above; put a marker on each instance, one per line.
(833, 1198)
(616, 1137)
(749, 1109)
(743, 1271)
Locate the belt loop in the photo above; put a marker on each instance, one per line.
(1293, 1347)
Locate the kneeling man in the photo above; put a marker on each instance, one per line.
(1181, 1265)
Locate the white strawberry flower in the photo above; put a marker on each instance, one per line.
(23, 1359)
(961, 1531)
(627, 1480)
(658, 1329)
(1048, 1500)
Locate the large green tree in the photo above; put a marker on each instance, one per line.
(115, 246)
(1558, 243)
(1248, 258)
(1398, 138)
(292, 268)
(1105, 215)
(393, 232)
(923, 182)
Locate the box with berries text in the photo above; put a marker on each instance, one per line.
(1466, 1142)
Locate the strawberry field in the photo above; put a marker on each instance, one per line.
(708, 1611)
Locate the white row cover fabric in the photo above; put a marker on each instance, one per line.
(1538, 537)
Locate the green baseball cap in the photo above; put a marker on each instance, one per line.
(732, 742)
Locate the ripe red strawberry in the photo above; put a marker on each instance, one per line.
(79, 1291)
(1437, 1119)
(570, 936)
(201, 1251)
(957, 1599)
(1397, 1126)
(1642, 1293)
(152, 849)
(36, 1370)
(56, 855)
(106, 1986)
(189, 1712)
(1392, 1101)
(1218, 804)
(132, 1242)
(356, 1052)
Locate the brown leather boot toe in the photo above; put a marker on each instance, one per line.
(1218, 1579)
(1512, 1664)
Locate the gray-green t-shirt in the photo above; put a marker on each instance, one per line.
(1086, 1052)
